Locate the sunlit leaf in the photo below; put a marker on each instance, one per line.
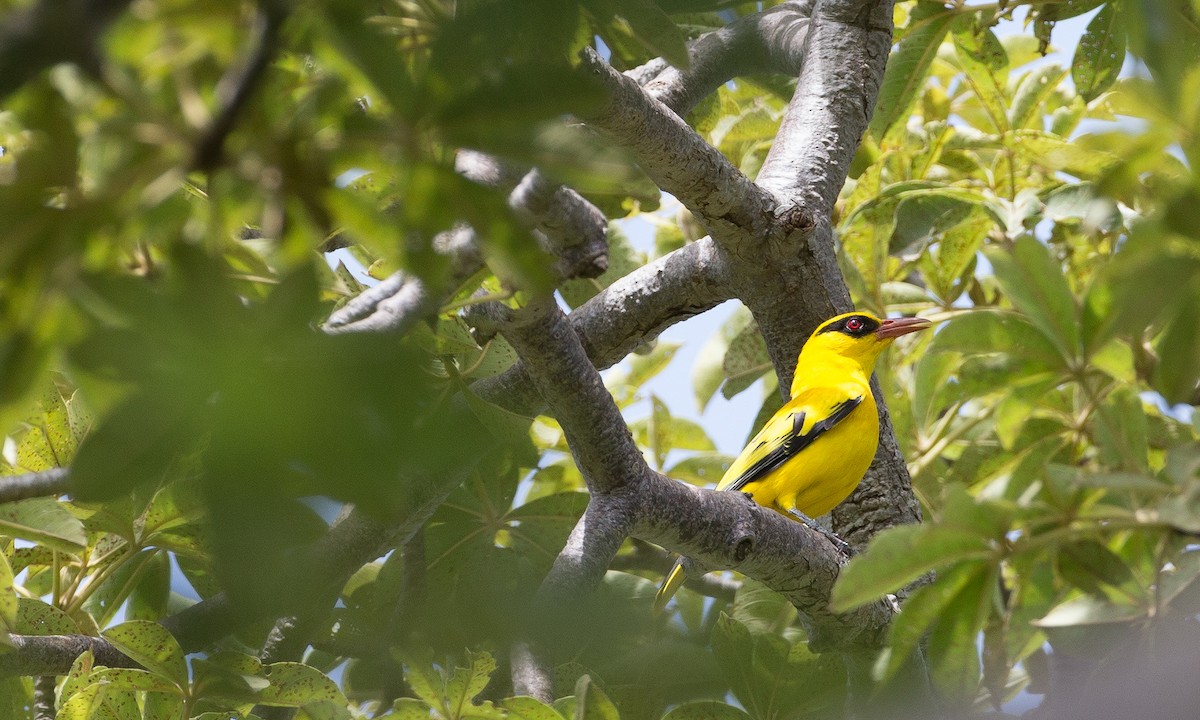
(901, 555)
(1034, 282)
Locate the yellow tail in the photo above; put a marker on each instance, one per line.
(670, 586)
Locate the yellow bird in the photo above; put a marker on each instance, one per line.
(813, 452)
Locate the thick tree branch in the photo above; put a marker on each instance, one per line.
(529, 675)
(48, 483)
(627, 314)
(676, 157)
(847, 49)
(54, 654)
(770, 41)
(573, 229)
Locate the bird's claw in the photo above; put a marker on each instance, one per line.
(839, 544)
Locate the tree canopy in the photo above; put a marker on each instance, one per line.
(240, 478)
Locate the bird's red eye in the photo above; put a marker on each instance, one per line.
(854, 324)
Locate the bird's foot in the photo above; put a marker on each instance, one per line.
(841, 545)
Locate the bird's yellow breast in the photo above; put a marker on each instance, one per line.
(825, 473)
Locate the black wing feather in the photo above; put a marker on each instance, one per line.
(794, 442)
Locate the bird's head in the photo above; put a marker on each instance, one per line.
(858, 337)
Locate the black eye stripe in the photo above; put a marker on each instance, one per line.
(868, 326)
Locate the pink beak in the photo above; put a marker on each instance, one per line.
(891, 329)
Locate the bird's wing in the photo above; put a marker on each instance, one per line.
(801, 421)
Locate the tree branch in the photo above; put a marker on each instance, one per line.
(573, 229)
(627, 314)
(402, 300)
(236, 89)
(846, 51)
(676, 157)
(54, 654)
(48, 483)
(769, 41)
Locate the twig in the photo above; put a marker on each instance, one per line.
(676, 157)
(236, 90)
(48, 483)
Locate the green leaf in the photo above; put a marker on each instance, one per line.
(953, 653)
(591, 703)
(985, 63)
(76, 678)
(35, 617)
(135, 444)
(922, 609)
(49, 441)
(762, 610)
(1087, 625)
(162, 706)
(746, 360)
(108, 598)
(152, 647)
(908, 67)
(506, 426)
(542, 525)
(1034, 282)
(1178, 372)
(709, 371)
(136, 680)
(295, 684)
(900, 555)
(43, 521)
(410, 709)
(100, 702)
(662, 433)
(1086, 563)
(703, 469)
(1120, 431)
(625, 379)
(706, 710)
(9, 604)
(16, 694)
(655, 29)
(769, 675)
(986, 332)
(465, 683)
(1056, 153)
(1035, 89)
(1100, 54)
(528, 708)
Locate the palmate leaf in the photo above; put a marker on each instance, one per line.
(152, 647)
